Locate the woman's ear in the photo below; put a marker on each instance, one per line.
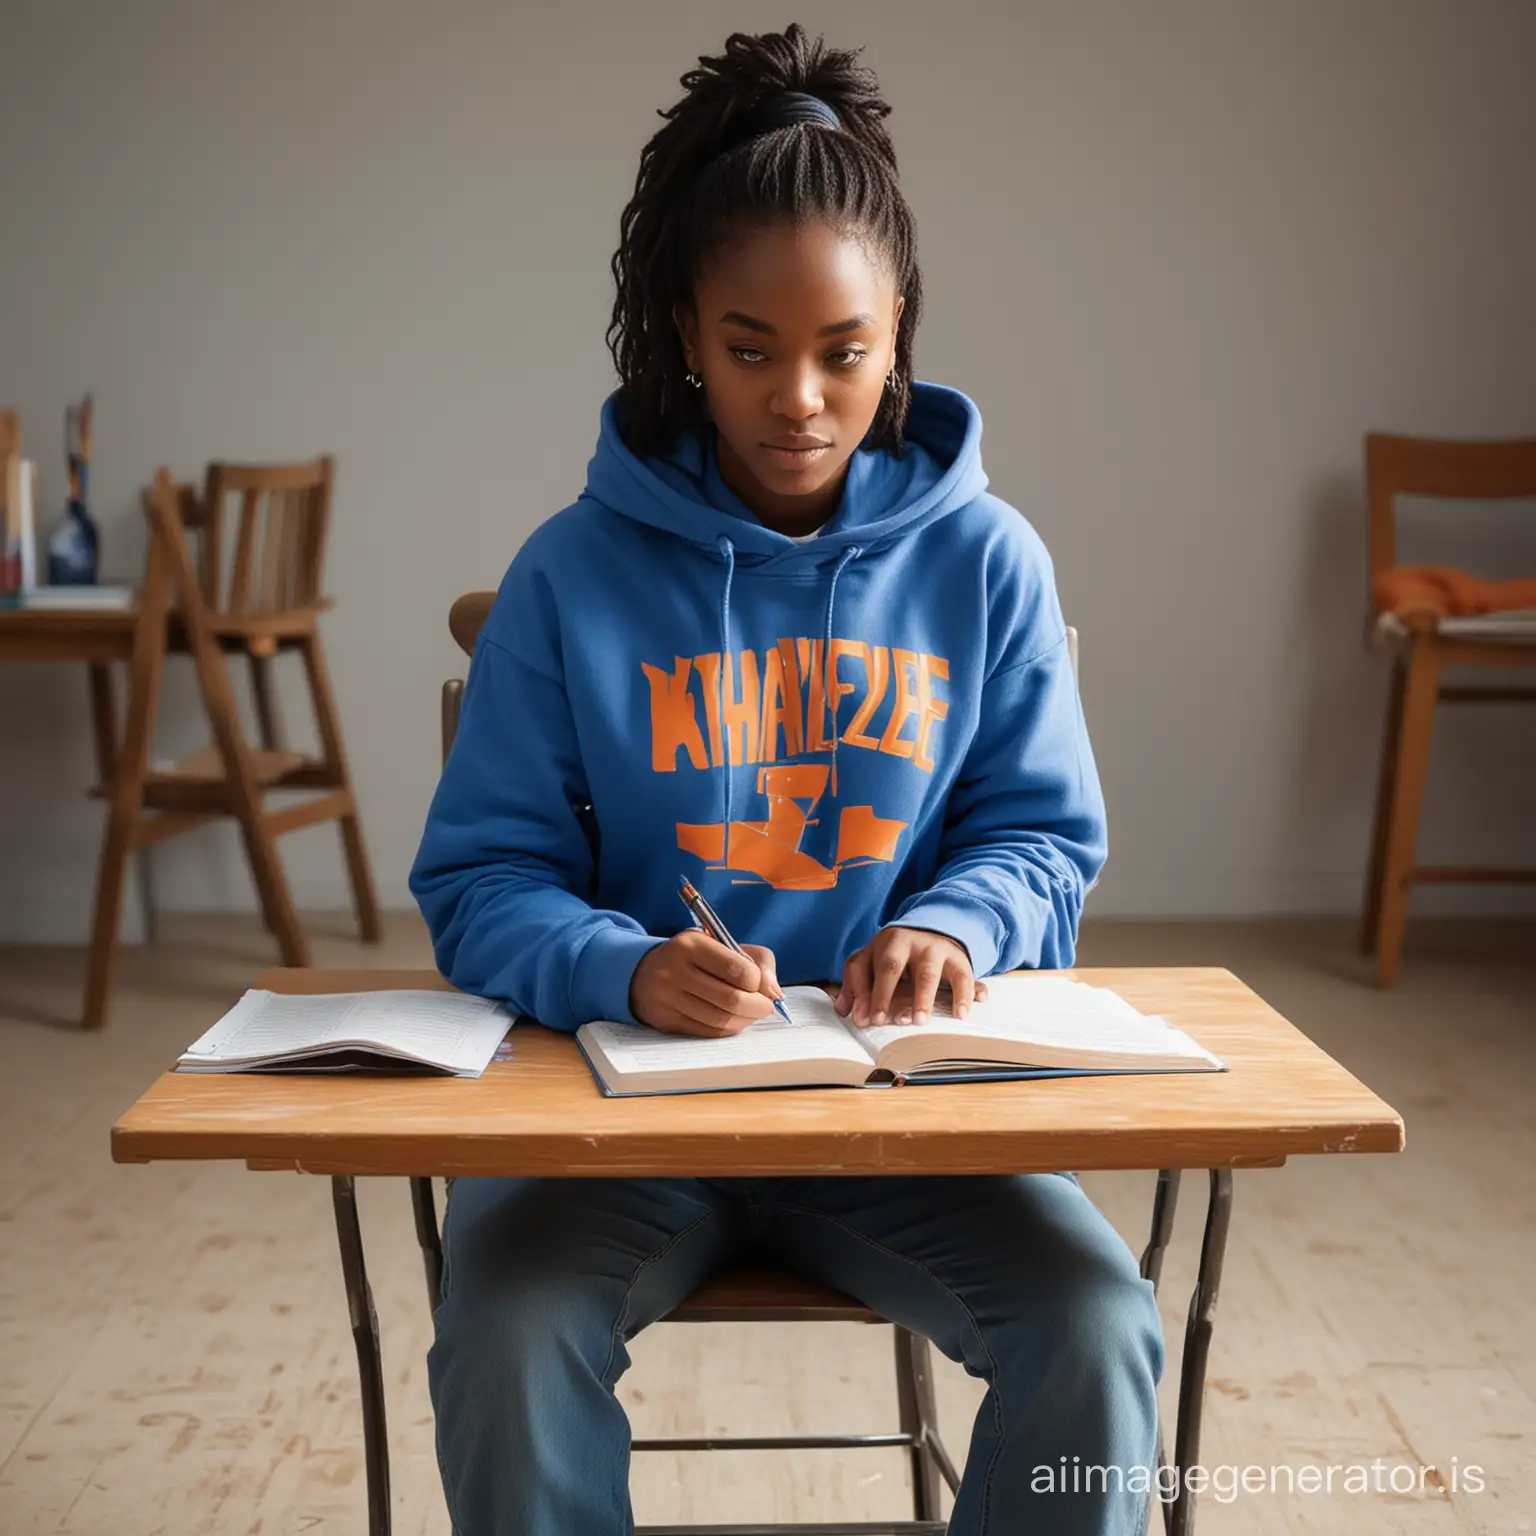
(686, 319)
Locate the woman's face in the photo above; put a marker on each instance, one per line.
(793, 330)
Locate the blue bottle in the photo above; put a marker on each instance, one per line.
(74, 546)
(72, 550)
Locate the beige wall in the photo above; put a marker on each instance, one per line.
(1182, 255)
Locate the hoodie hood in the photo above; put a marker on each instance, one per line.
(683, 492)
(884, 497)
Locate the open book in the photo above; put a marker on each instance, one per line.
(1029, 1026)
(448, 1032)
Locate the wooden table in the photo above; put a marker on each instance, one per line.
(96, 636)
(541, 1114)
(100, 638)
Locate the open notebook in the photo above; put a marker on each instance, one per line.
(402, 1031)
(1029, 1026)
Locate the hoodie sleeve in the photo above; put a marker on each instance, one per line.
(1024, 832)
(504, 860)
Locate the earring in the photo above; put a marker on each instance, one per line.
(695, 379)
(890, 379)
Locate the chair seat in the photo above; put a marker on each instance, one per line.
(207, 767)
(757, 1295)
(1517, 627)
(260, 634)
(205, 770)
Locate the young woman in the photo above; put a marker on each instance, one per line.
(784, 643)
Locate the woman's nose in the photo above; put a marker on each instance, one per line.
(798, 396)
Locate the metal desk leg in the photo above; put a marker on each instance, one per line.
(1164, 1203)
(425, 1208)
(1180, 1515)
(370, 1369)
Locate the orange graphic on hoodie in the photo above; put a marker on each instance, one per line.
(771, 849)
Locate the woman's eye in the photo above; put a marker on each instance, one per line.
(747, 354)
(848, 357)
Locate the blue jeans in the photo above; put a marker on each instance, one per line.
(1020, 1279)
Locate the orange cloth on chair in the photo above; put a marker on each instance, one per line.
(1430, 592)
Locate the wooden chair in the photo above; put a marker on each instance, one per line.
(751, 1294)
(256, 594)
(1409, 466)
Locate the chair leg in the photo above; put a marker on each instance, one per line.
(245, 800)
(1391, 734)
(359, 870)
(125, 774)
(282, 919)
(914, 1397)
(1415, 732)
(144, 867)
(269, 720)
(271, 882)
(369, 922)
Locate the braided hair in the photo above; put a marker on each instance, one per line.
(712, 171)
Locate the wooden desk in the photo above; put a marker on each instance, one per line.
(98, 637)
(67, 634)
(541, 1113)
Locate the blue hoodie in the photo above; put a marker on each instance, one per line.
(875, 726)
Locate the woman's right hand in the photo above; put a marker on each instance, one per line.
(694, 985)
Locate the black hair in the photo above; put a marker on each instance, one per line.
(706, 175)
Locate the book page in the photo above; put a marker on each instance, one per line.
(817, 1033)
(451, 1029)
(1055, 1012)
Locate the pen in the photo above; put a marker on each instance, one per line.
(704, 915)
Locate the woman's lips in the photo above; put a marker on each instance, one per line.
(796, 458)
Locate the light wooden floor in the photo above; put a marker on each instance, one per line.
(175, 1357)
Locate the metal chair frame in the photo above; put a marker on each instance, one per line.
(919, 1430)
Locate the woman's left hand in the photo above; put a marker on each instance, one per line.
(873, 976)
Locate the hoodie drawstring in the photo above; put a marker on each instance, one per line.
(728, 551)
(728, 554)
(829, 682)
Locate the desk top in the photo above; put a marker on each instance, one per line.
(541, 1113)
(43, 620)
(67, 634)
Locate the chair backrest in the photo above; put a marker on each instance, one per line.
(465, 620)
(467, 617)
(1492, 470)
(262, 531)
